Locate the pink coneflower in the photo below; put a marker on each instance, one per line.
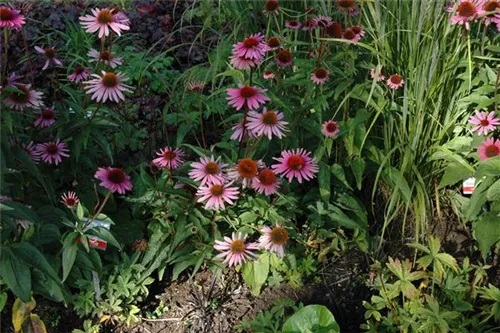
(243, 63)
(358, 30)
(448, 7)
(267, 123)
(268, 75)
(284, 58)
(46, 118)
(348, 6)
(235, 251)
(485, 122)
(252, 97)
(334, 30)
(80, 74)
(238, 131)
(266, 182)
(217, 194)
(273, 43)
(466, 11)
(309, 24)
(274, 239)
(246, 170)
(195, 86)
(395, 81)
(119, 16)
(70, 199)
(490, 6)
(296, 164)
(320, 76)
(105, 57)
(330, 128)
(169, 158)
(114, 179)
(30, 149)
(11, 18)
(50, 55)
(323, 21)
(253, 47)
(271, 7)
(293, 24)
(207, 170)
(52, 152)
(102, 20)
(108, 86)
(377, 74)
(489, 148)
(350, 35)
(25, 98)
(9, 81)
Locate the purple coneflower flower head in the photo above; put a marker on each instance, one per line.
(46, 118)
(252, 97)
(330, 128)
(309, 24)
(350, 35)
(108, 86)
(253, 47)
(293, 24)
(486, 122)
(268, 75)
(466, 12)
(30, 149)
(489, 148)
(348, 6)
(271, 7)
(377, 74)
(323, 21)
(106, 57)
(11, 18)
(296, 164)
(490, 6)
(334, 30)
(243, 63)
(266, 182)
(274, 239)
(358, 30)
(267, 123)
(207, 170)
(80, 74)
(102, 20)
(239, 130)
(320, 76)
(24, 98)
(52, 152)
(273, 43)
(284, 58)
(70, 199)
(50, 55)
(11, 80)
(195, 86)
(114, 179)
(169, 158)
(235, 251)
(245, 171)
(217, 195)
(395, 81)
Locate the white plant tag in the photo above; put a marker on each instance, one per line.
(469, 185)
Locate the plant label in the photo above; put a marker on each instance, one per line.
(469, 185)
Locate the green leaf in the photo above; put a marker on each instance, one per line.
(20, 311)
(79, 211)
(324, 182)
(339, 173)
(3, 300)
(312, 318)
(487, 231)
(16, 274)
(255, 273)
(493, 192)
(454, 173)
(248, 217)
(34, 324)
(358, 167)
(489, 167)
(105, 234)
(70, 249)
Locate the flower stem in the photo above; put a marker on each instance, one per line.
(28, 58)
(6, 45)
(201, 126)
(102, 206)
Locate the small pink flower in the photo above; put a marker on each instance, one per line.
(108, 86)
(448, 7)
(243, 63)
(50, 55)
(487, 7)
(266, 182)
(105, 57)
(466, 11)
(216, 195)
(103, 20)
(245, 171)
(377, 74)
(70, 199)
(268, 75)
(486, 122)
(11, 18)
(320, 76)
(267, 123)
(80, 74)
(395, 81)
(358, 30)
(235, 250)
(253, 47)
(330, 128)
(10, 81)
(273, 44)
(30, 149)
(169, 158)
(114, 179)
(274, 239)
(46, 118)
(284, 58)
(207, 170)
(25, 98)
(271, 7)
(350, 35)
(296, 164)
(323, 21)
(52, 152)
(309, 24)
(489, 148)
(348, 6)
(195, 86)
(238, 132)
(293, 24)
(252, 97)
